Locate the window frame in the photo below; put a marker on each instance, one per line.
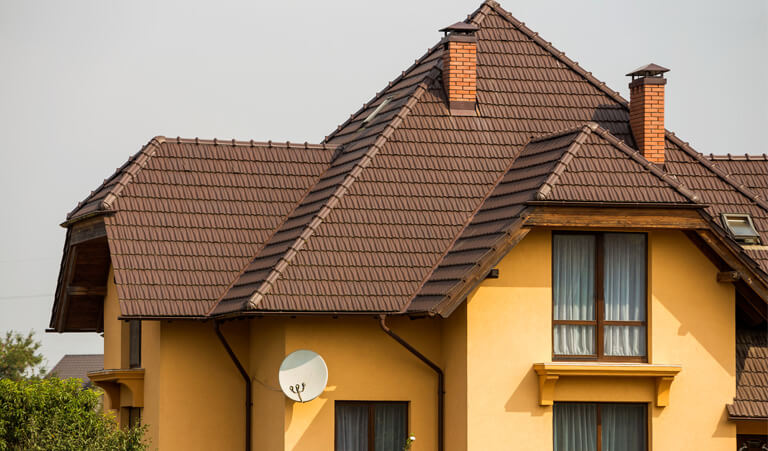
(751, 239)
(134, 343)
(599, 420)
(371, 418)
(599, 322)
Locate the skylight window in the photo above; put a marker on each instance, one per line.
(741, 228)
(373, 114)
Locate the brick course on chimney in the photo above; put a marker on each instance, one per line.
(460, 69)
(646, 111)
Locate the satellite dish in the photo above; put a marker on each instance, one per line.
(303, 375)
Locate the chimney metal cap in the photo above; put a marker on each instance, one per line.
(649, 70)
(460, 27)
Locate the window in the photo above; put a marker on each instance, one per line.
(600, 426)
(741, 228)
(134, 344)
(599, 296)
(371, 426)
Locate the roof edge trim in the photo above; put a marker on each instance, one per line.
(740, 187)
(546, 188)
(557, 53)
(285, 260)
(652, 168)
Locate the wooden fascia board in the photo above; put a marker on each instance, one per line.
(731, 258)
(87, 230)
(612, 217)
(550, 373)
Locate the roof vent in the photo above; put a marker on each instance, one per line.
(741, 228)
(375, 112)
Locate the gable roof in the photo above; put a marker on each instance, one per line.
(583, 164)
(77, 366)
(385, 231)
(187, 214)
(386, 213)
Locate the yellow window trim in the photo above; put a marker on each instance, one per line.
(550, 373)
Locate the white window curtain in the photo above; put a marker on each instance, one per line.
(351, 427)
(575, 427)
(574, 293)
(390, 426)
(624, 293)
(623, 427)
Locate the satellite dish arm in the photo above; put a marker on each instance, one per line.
(431, 364)
(246, 378)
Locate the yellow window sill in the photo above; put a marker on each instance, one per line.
(111, 380)
(550, 373)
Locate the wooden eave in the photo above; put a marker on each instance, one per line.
(629, 217)
(81, 287)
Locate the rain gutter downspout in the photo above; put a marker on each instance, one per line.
(246, 378)
(431, 364)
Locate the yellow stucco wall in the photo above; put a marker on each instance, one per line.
(199, 392)
(691, 324)
(194, 394)
(364, 364)
(115, 331)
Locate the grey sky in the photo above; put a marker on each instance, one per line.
(84, 84)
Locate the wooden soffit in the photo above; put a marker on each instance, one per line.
(615, 217)
(550, 373)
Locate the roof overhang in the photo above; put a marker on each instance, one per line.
(82, 284)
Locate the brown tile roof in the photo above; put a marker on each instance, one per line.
(750, 170)
(723, 192)
(403, 188)
(584, 164)
(751, 400)
(190, 213)
(372, 220)
(77, 366)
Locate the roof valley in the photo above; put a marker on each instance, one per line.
(332, 200)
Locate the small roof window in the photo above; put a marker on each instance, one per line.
(741, 228)
(373, 114)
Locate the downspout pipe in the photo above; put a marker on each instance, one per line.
(435, 368)
(246, 378)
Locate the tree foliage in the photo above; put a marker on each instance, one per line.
(54, 414)
(19, 358)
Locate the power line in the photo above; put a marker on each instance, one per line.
(26, 296)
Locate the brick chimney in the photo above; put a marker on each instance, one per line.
(460, 68)
(646, 111)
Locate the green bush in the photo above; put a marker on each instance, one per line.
(54, 414)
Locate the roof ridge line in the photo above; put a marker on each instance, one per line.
(467, 223)
(251, 143)
(546, 188)
(573, 65)
(379, 94)
(263, 245)
(403, 74)
(558, 133)
(652, 168)
(147, 152)
(730, 157)
(740, 187)
(338, 193)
